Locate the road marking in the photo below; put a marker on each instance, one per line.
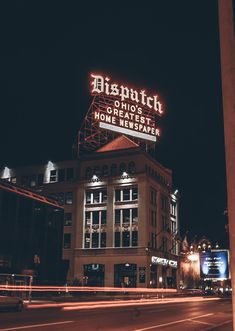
(171, 323)
(35, 326)
(200, 322)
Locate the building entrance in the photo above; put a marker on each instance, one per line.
(125, 275)
(94, 274)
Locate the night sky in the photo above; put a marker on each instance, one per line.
(49, 48)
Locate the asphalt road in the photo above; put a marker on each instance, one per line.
(201, 314)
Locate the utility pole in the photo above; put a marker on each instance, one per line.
(227, 51)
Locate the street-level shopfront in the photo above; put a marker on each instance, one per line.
(128, 271)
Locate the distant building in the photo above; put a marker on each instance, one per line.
(31, 230)
(120, 214)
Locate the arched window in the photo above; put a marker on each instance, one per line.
(88, 173)
(114, 169)
(105, 170)
(131, 167)
(122, 168)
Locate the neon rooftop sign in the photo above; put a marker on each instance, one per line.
(128, 111)
(101, 85)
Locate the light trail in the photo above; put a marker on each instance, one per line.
(36, 288)
(112, 304)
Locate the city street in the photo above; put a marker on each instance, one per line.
(195, 313)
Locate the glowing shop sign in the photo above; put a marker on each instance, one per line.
(130, 111)
(164, 262)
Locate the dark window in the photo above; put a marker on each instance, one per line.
(134, 238)
(68, 198)
(25, 181)
(61, 175)
(126, 216)
(95, 217)
(117, 216)
(126, 239)
(88, 197)
(97, 171)
(67, 240)
(103, 239)
(126, 194)
(131, 167)
(114, 169)
(40, 179)
(60, 198)
(122, 168)
(69, 173)
(105, 170)
(135, 215)
(135, 193)
(117, 195)
(68, 219)
(88, 173)
(117, 239)
(104, 196)
(96, 197)
(95, 240)
(103, 217)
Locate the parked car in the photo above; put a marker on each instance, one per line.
(209, 292)
(9, 302)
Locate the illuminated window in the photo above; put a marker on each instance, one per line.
(13, 180)
(53, 176)
(67, 240)
(68, 219)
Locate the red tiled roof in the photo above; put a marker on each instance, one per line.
(121, 142)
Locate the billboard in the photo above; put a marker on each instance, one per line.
(214, 264)
(128, 111)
